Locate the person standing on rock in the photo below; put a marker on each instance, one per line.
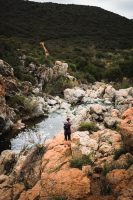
(67, 130)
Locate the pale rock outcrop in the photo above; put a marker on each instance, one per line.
(82, 144)
(111, 122)
(64, 105)
(98, 109)
(37, 106)
(115, 113)
(123, 99)
(96, 91)
(100, 144)
(60, 68)
(109, 92)
(109, 141)
(47, 73)
(51, 102)
(80, 115)
(74, 95)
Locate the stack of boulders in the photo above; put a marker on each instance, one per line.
(100, 144)
(103, 104)
(45, 73)
(101, 93)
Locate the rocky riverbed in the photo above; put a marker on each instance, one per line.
(99, 103)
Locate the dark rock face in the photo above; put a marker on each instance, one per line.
(2, 124)
(8, 86)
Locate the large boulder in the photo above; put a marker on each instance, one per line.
(121, 181)
(80, 114)
(126, 129)
(122, 96)
(109, 92)
(46, 74)
(109, 142)
(82, 144)
(57, 178)
(111, 122)
(98, 109)
(37, 106)
(100, 144)
(97, 90)
(60, 68)
(74, 95)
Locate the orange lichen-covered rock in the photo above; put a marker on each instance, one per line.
(70, 183)
(31, 194)
(121, 181)
(116, 176)
(57, 178)
(126, 129)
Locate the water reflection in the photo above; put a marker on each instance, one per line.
(38, 134)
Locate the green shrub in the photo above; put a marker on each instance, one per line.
(79, 162)
(105, 188)
(125, 83)
(41, 149)
(58, 86)
(16, 100)
(88, 126)
(29, 105)
(111, 166)
(21, 74)
(107, 168)
(113, 74)
(127, 67)
(119, 152)
(30, 59)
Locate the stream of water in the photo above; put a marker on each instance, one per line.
(38, 132)
(35, 134)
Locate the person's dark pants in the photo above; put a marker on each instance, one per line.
(67, 136)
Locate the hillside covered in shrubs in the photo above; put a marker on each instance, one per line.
(96, 44)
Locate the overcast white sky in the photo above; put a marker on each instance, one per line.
(122, 7)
